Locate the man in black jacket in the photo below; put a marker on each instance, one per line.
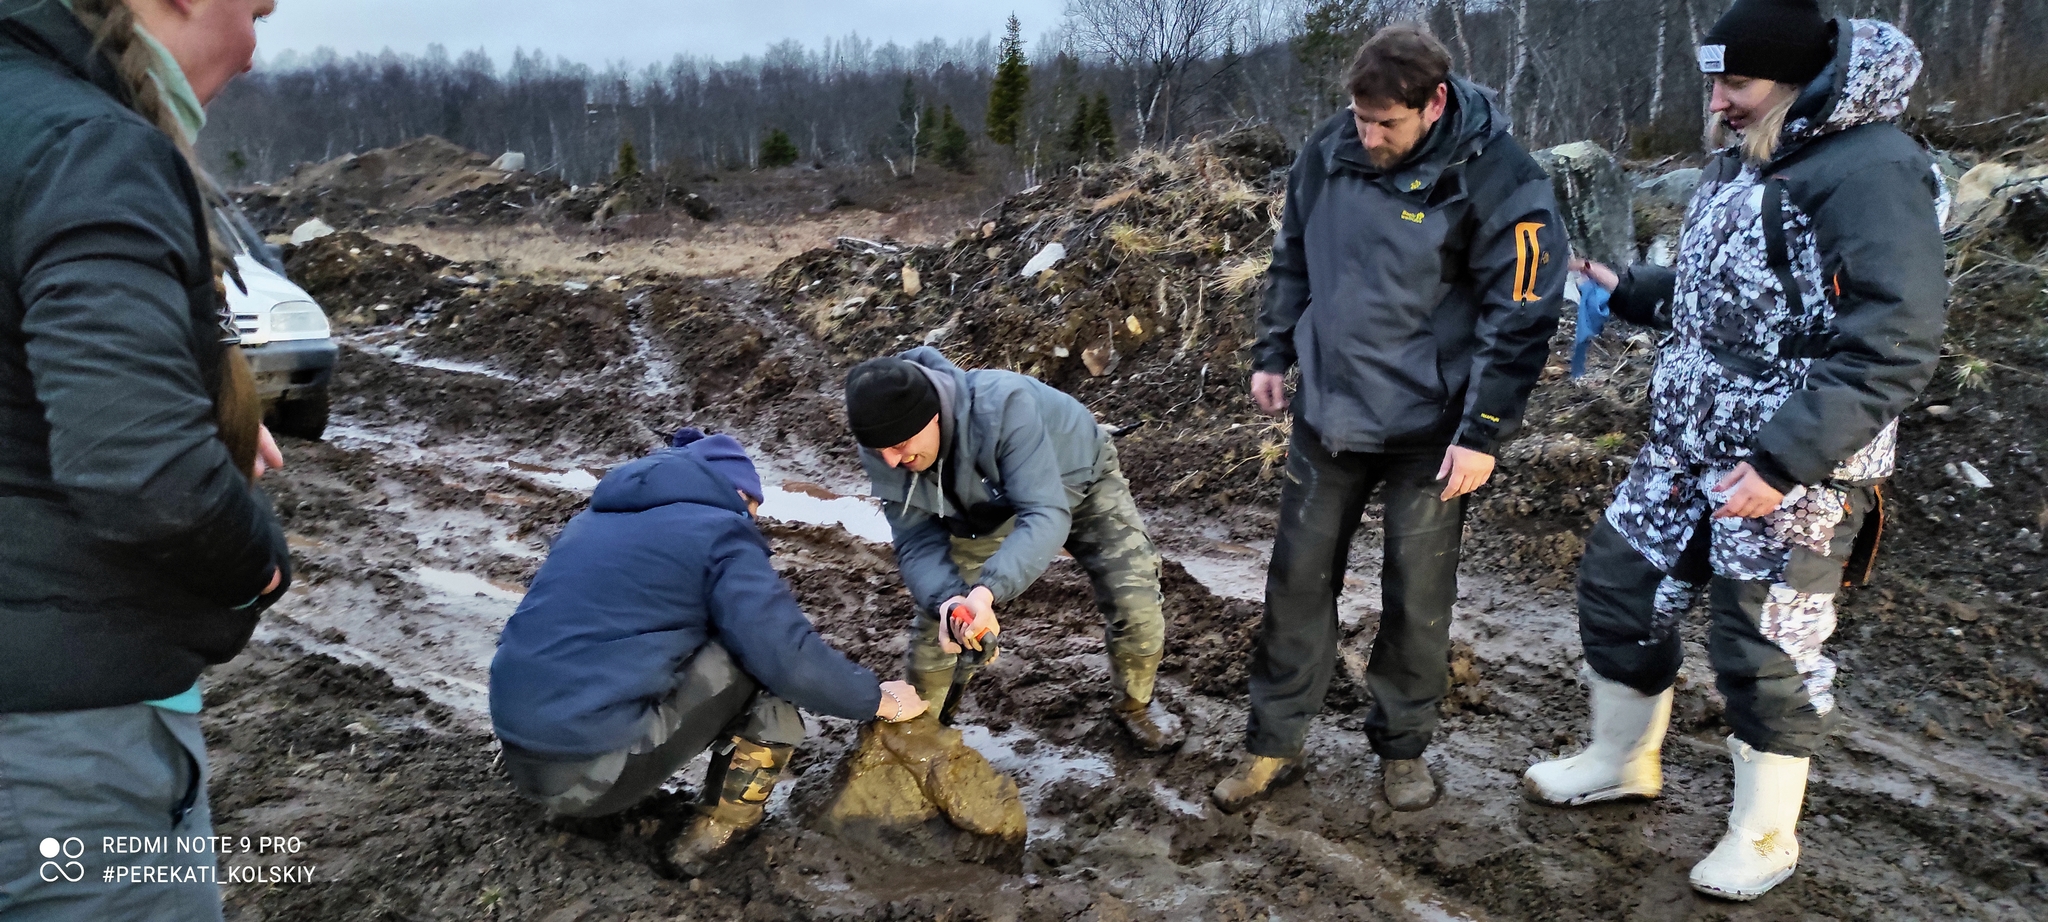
(1416, 281)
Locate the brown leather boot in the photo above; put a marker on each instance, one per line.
(1254, 778)
(1155, 728)
(725, 824)
(1407, 784)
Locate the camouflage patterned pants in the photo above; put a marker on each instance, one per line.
(714, 701)
(1109, 541)
(1765, 636)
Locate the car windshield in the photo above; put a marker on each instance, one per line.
(242, 239)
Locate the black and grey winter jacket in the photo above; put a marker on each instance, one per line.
(1808, 389)
(1010, 448)
(1419, 301)
(130, 547)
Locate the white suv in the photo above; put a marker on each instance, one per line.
(284, 332)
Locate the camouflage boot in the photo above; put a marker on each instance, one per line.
(940, 695)
(743, 782)
(1155, 728)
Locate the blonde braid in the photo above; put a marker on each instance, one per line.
(237, 411)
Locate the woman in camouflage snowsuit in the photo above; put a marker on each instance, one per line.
(1806, 312)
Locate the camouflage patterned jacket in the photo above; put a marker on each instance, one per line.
(1806, 313)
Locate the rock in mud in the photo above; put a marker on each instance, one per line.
(1674, 188)
(1593, 192)
(919, 794)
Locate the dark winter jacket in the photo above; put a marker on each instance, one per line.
(1011, 448)
(664, 559)
(1420, 300)
(1806, 388)
(130, 547)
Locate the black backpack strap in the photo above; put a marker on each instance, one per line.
(1774, 244)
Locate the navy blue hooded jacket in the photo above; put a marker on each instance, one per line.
(664, 559)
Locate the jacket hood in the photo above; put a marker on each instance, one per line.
(662, 479)
(1472, 120)
(933, 359)
(47, 28)
(1870, 80)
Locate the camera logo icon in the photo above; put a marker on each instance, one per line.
(71, 871)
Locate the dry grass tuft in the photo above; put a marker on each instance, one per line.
(1134, 241)
(1239, 277)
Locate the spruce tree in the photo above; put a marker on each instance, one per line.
(954, 149)
(1012, 87)
(1102, 130)
(629, 160)
(928, 131)
(1079, 139)
(777, 150)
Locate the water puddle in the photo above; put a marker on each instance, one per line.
(811, 504)
(464, 585)
(404, 356)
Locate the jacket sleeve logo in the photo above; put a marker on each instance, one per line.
(1413, 217)
(1528, 259)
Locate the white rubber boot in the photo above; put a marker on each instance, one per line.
(1625, 759)
(1760, 849)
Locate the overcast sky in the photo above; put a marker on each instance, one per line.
(638, 32)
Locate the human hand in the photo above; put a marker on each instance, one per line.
(899, 703)
(1598, 272)
(1269, 391)
(981, 602)
(1749, 494)
(268, 458)
(1464, 470)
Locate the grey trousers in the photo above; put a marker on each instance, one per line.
(713, 700)
(71, 780)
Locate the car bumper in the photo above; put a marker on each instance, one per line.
(288, 370)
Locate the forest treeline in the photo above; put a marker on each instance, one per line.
(1113, 75)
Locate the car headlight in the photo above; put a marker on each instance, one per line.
(298, 320)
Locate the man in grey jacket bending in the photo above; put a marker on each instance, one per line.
(984, 476)
(1416, 281)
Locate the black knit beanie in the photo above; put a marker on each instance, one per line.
(1782, 40)
(888, 401)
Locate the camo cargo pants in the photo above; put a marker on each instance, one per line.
(714, 701)
(1765, 636)
(1109, 541)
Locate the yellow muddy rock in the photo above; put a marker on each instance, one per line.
(917, 790)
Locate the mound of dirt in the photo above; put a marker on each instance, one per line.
(426, 179)
(362, 282)
(1144, 318)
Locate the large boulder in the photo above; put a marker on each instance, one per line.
(916, 793)
(1673, 188)
(1594, 194)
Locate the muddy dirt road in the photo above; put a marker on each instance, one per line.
(464, 441)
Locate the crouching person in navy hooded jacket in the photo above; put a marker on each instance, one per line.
(656, 629)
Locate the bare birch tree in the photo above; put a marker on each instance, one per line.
(1158, 41)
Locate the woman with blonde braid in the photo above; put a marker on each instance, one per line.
(135, 550)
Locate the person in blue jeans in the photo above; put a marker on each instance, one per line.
(658, 628)
(134, 548)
